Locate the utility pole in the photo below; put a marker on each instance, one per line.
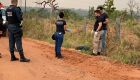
(25, 5)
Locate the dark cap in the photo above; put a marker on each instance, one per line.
(100, 7)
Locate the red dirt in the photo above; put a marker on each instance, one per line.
(74, 66)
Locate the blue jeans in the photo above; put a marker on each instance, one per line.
(58, 42)
(103, 36)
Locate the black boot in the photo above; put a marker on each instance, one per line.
(0, 55)
(13, 57)
(58, 56)
(99, 53)
(23, 59)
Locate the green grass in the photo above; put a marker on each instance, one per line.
(42, 29)
(128, 58)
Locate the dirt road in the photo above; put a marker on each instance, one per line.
(74, 66)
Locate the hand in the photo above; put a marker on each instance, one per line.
(0, 32)
(96, 33)
(69, 30)
(92, 32)
(21, 23)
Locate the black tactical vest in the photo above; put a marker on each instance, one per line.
(11, 15)
(1, 20)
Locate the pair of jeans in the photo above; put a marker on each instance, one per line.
(58, 42)
(103, 36)
(15, 38)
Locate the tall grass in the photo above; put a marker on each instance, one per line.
(126, 51)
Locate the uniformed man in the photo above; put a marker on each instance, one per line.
(14, 18)
(1, 21)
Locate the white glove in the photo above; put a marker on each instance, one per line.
(96, 33)
(92, 32)
(4, 22)
(0, 32)
(68, 30)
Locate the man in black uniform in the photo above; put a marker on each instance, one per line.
(1, 21)
(14, 18)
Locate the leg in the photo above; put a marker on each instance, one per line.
(103, 36)
(11, 42)
(19, 44)
(12, 45)
(0, 55)
(20, 49)
(96, 41)
(100, 44)
(58, 44)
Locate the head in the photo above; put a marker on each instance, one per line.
(61, 15)
(100, 8)
(97, 13)
(14, 2)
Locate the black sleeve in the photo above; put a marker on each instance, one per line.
(106, 16)
(18, 14)
(100, 19)
(1, 19)
(64, 22)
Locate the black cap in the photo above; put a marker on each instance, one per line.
(100, 7)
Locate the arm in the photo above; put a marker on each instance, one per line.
(65, 27)
(19, 14)
(100, 26)
(106, 21)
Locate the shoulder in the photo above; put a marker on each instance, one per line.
(105, 14)
(13, 8)
(19, 8)
(64, 21)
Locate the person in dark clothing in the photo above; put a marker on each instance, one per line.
(1, 21)
(14, 19)
(59, 34)
(105, 20)
(97, 33)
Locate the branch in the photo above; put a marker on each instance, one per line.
(44, 3)
(52, 1)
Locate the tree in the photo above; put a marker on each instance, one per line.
(138, 9)
(51, 3)
(109, 6)
(131, 5)
(90, 12)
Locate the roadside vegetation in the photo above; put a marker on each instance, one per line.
(39, 24)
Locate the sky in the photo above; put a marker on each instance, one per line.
(77, 4)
